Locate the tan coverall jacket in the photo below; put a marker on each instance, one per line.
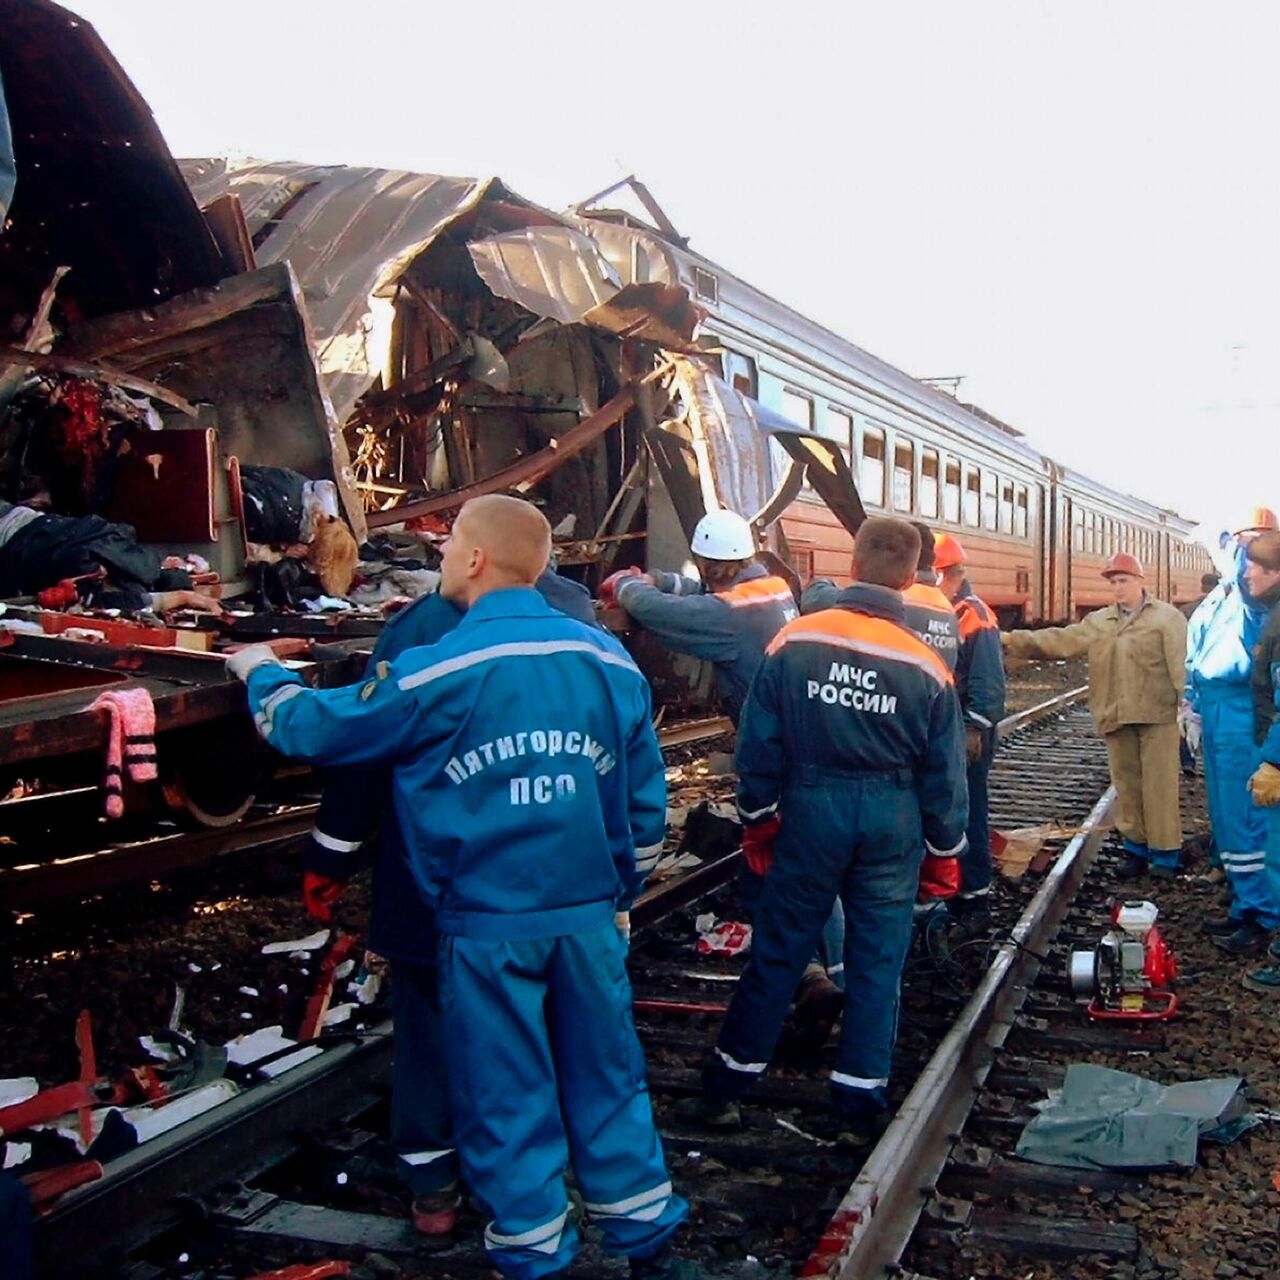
(1136, 669)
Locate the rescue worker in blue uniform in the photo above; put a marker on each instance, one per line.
(402, 927)
(980, 682)
(852, 751)
(928, 611)
(1263, 583)
(727, 619)
(1221, 638)
(530, 792)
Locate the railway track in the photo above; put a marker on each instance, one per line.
(266, 1177)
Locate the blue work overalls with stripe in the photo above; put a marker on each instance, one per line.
(1221, 637)
(852, 733)
(531, 793)
(401, 925)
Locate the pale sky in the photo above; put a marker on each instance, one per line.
(1075, 205)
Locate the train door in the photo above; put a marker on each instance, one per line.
(1041, 556)
(1063, 547)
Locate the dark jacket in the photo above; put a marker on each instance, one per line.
(980, 678)
(728, 628)
(852, 690)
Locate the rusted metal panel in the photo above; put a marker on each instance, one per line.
(97, 188)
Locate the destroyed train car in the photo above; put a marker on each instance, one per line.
(120, 297)
(574, 310)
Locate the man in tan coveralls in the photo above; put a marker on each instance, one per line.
(1137, 651)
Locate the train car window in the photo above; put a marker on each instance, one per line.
(929, 483)
(951, 492)
(871, 470)
(1077, 529)
(740, 373)
(706, 286)
(990, 505)
(1022, 512)
(797, 407)
(1006, 506)
(837, 425)
(904, 476)
(972, 499)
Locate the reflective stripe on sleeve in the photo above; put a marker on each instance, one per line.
(326, 841)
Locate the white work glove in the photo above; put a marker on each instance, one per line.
(1190, 726)
(623, 923)
(249, 659)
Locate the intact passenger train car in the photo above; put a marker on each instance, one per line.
(1037, 535)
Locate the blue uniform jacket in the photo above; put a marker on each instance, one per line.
(728, 628)
(401, 926)
(980, 679)
(852, 690)
(926, 610)
(1221, 636)
(526, 776)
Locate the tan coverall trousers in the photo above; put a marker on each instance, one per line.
(1144, 769)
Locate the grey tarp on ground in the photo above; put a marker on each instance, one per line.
(1105, 1119)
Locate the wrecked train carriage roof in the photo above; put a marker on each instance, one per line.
(97, 188)
(349, 234)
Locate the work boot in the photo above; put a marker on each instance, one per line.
(1250, 939)
(863, 1112)
(436, 1215)
(819, 1002)
(666, 1265)
(1161, 872)
(1219, 926)
(716, 1113)
(1132, 867)
(1265, 980)
(972, 915)
(1210, 879)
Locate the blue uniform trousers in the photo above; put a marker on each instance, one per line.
(420, 1124)
(546, 1070)
(15, 1229)
(975, 862)
(855, 838)
(1239, 826)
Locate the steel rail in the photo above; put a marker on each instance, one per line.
(1021, 719)
(875, 1220)
(135, 1200)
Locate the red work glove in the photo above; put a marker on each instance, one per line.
(939, 878)
(608, 593)
(758, 841)
(319, 893)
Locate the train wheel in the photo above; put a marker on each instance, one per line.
(212, 774)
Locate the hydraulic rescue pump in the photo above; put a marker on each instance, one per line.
(1130, 973)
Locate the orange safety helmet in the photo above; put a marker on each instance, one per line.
(1260, 520)
(1123, 562)
(947, 552)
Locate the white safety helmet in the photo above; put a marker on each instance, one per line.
(723, 535)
